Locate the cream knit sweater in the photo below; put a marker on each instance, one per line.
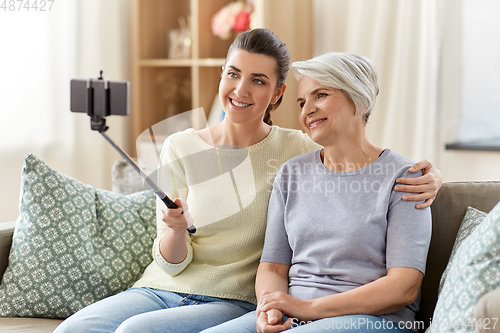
(227, 191)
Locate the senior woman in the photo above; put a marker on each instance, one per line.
(343, 250)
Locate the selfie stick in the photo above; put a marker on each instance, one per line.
(98, 123)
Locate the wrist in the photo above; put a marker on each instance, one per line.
(313, 310)
(177, 231)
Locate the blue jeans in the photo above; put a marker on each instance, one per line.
(152, 310)
(342, 324)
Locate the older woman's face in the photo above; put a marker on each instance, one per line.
(325, 112)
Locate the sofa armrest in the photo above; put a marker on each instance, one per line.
(6, 233)
(488, 310)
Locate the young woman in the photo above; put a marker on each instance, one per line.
(225, 174)
(350, 259)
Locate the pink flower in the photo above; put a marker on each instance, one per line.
(242, 21)
(222, 23)
(233, 17)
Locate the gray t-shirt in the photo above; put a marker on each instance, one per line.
(341, 230)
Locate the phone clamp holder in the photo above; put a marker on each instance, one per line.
(99, 98)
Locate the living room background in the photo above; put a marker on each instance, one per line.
(416, 45)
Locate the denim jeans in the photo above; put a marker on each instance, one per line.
(152, 310)
(342, 324)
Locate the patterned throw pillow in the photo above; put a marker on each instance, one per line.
(73, 245)
(474, 271)
(470, 221)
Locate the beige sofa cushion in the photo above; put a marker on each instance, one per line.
(31, 325)
(488, 311)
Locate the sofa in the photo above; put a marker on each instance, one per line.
(447, 212)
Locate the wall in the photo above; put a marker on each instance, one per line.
(330, 35)
(469, 165)
(80, 52)
(457, 165)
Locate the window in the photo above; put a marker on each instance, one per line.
(35, 61)
(480, 123)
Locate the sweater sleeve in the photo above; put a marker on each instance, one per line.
(172, 180)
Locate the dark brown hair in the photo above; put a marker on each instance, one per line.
(263, 41)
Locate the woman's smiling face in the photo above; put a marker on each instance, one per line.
(247, 86)
(325, 112)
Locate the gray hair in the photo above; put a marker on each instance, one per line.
(352, 73)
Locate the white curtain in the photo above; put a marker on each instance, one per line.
(402, 38)
(40, 52)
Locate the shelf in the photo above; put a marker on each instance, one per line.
(211, 62)
(207, 62)
(489, 145)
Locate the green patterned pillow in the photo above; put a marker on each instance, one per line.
(73, 244)
(474, 271)
(470, 221)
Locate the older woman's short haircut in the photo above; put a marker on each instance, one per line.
(352, 73)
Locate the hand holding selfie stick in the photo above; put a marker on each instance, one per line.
(101, 98)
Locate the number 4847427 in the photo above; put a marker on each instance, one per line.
(26, 5)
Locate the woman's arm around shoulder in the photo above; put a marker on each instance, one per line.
(427, 186)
